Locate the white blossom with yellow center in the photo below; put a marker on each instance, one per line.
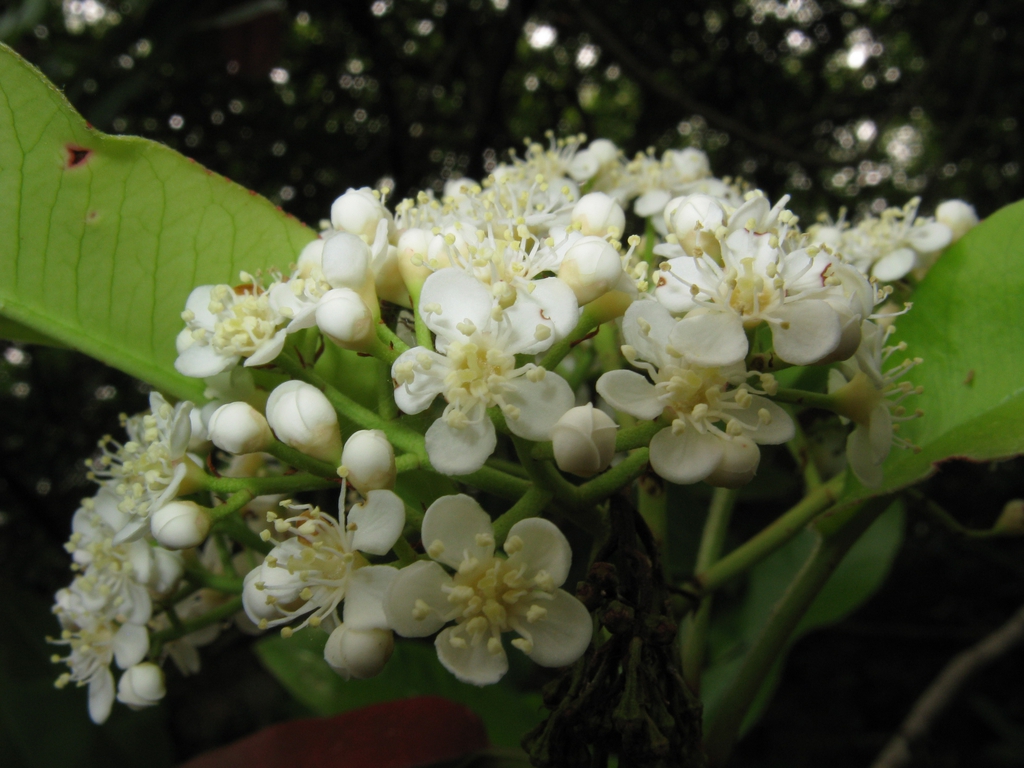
(716, 416)
(475, 368)
(489, 595)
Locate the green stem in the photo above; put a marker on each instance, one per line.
(834, 540)
(650, 238)
(222, 583)
(235, 527)
(389, 346)
(264, 486)
(300, 460)
(237, 501)
(407, 462)
(530, 505)
(940, 515)
(801, 454)
(509, 467)
(784, 528)
(695, 627)
(583, 358)
(495, 481)
(805, 398)
(652, 504)
(386, 407)
(609, 355)
(221, 612)
(619, 476)
(588, 322)
(224, 553)
(423, 337)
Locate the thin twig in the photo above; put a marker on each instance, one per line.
(945, 687)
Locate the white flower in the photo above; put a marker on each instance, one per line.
(707, 406)
(359, 653)
(239, 428)
(302, 417)
(583, 440)
(141, 686)
(147, 471)
(93, 649)
(184, 651)
(369, 461)
(360, 212)
(180, 525)
(796, 293)
(591, 267)
(891, 245)
(343, 317)
(489, 595)
(871, 399)
(321, 564)
(598, 214)
(225, 324)
(959, 216)
(475, 368)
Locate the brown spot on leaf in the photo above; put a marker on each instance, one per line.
(77, 156)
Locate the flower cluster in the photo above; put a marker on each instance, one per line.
(530, 324)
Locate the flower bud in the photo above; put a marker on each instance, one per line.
(358, 212)
(590, 268)
(597, 213)
(303, 418)
(413, 245)
(958, 216)
(583, 440)
(370, 461)
(239, 428)
(689, 164)
(359, 653)
(738, 464)
(180, 525)
(141, 686)
(310, 260)
(344, 318)
(346, 261)
(1011, 520)
(254, 598)
(459, 187)
(694, 220)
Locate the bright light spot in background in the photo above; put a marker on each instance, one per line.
(499, 5)
(176, 122)
(587, 56)
(279, 75)
(79, 14)
(541, 36)
(866, 130)
(862, 47)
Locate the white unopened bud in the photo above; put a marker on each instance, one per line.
(738, 464)
(584, 166)
(180, 525)
(583, 440)
(370, 461)
(413, 245)
(359, 653)
(358, 212)
(958, 216)
(310, 260)
(239, 428)
(604, 150)
(303, 418)
(254, 596)
(694, 220)
(591, 267)
(689, 164)
(596, 213)
(344, 318)
(346, 261)
(141, 686)
(458, 187)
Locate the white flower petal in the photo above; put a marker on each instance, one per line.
(549, 302)
(895, 265)
(459, 523)
(858, 455)
(474, 664)
(379, 522)
(130, 644)
(649, 344)
(461, 297)
(541, 404)
(778, 430)
(804, 332)
(710, 338)
(630, 392)
(269, 350)
(685, 458)
(423, 581)
(651, 203)
(415, 396)
(364, 597)
(880, 432)
(201, 360)
(930, 237)
(198, 303)
(134, 529)
(542, 547)
(563, 634)
(461, 451)
(101, 696)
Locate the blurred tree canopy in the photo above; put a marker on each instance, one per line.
(856, 103)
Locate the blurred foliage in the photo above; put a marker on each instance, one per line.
(858, 103)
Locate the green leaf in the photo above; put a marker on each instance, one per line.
(103, 237)
(858, 576)
(966, 325)
(298, 663)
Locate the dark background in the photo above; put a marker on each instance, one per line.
(859, 103)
